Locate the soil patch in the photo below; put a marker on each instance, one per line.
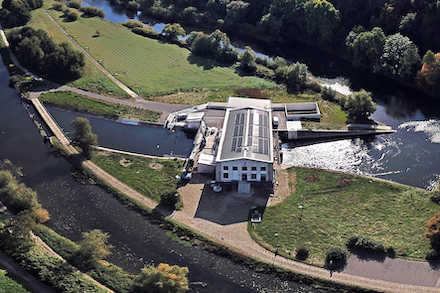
(155, 166)
(125, 163)
(285, 186)
(343, 182)
(312, 178)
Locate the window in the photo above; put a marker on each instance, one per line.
(225, 168)
(225, 175)
(254, 176)
(254, 169)
(244, 168)
(234, 168)
(263, 178)
(263, 168)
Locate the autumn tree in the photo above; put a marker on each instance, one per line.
(433, 231)
(161, 279)
(83, 136)
(428, 77)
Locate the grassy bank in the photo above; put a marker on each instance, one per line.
(82, 103)
(147, 176)
(337, 205)
(9, 285)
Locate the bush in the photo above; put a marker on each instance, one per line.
(435, 196)
(328, 94)
(432, 255)
(146, 32)
(433, 230)
(133, 23)
(335, 257)
(72, 15)
(356, 243)
(93, 11)
(170, 198)
(302, 253)
(74, 4)
(57, 6)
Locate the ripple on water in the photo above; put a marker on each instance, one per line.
(431, 127)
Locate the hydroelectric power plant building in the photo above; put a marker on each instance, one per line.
(245, 151)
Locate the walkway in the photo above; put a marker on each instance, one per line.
(165, 108)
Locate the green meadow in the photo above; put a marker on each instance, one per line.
(337, 205)
(149, 67)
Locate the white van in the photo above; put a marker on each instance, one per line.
(275, 121)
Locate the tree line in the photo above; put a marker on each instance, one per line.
(386, 36)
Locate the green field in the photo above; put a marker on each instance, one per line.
(89, 105)
(145, 65)
(394, 215)
(147, 176)
(7, 285)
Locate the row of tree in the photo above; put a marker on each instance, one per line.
(36, 50)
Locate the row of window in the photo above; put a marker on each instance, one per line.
(244, 177)
(244, 168)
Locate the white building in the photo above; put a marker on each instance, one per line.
(245, 152)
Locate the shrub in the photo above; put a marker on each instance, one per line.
(93, 11)
(328, 94)
(433, 230)
(146, 32)
(57, 6)
(170, 198)
(74, 4)
(302, 253)
(133, 23)
(435, 196)
(335, 257)
(356, 243)
(432, 255)
(72, 15)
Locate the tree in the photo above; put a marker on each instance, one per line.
(400, 56)
(433, 231)
(366, 47)
(172, 31)
(83, 136)
(247, 60)
(93, 247)
(161, 279)
(428, 78)
(321, 18)
(359, 106)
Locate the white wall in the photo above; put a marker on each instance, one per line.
(238, 174)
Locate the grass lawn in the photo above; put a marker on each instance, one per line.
(147, 176)
(147, 66)
(7, 285)
(392, 214)
(85, 104)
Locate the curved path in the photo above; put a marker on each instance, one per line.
(234, 236)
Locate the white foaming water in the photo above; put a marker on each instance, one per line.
(430, 127)
(345, 155)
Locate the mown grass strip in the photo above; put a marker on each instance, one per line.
(82, 103)
(392, 214)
